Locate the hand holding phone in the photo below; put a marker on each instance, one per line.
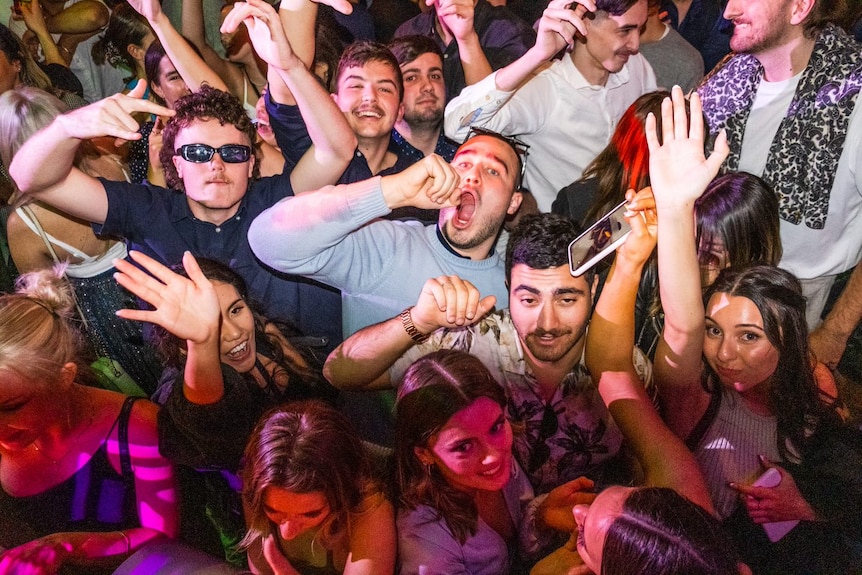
(599, 240)
(778, 529)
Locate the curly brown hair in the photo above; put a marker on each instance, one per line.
(208, 103)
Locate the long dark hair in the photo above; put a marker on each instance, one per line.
(172, 350)
(741, 210)
(660, 532)
(795, 399)
(434, 388)
(303, 447)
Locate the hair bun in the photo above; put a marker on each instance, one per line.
(50, 288)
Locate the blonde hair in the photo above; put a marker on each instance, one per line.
(23, 112)
(36, 336)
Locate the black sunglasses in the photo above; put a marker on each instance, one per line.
(201, 153)
(519, 146)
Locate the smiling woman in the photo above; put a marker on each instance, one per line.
(459, 484)
(225, 366)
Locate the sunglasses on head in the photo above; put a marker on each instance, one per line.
(201, 153)
(519, 146)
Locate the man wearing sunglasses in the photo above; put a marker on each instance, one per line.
(207, 157)
(534, 349)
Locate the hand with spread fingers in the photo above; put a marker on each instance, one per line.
(679, 169)
(186, 307)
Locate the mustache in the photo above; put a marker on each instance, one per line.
(553, 332)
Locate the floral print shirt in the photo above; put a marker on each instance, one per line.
(576, 441)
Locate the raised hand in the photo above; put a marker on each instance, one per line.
(111, 116)
(149, 9)
(265, 31)
(31, 13)
(561, 21)
(457, 16)
(430, 183)
(186, 307)
(641, 216)
(679, 168)
(449, 301)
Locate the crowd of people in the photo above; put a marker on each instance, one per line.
(288, 285)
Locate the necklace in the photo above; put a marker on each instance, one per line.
(72, 443)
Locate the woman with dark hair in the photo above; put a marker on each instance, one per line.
(737, 224)
(736, 380)
(465, 505)
(225, 367)
(124, 43)
(225, 364)
(460, 488)
(311, 501)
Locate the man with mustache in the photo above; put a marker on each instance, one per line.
(566, 112)
(534, 349)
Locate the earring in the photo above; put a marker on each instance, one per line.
(428, 467)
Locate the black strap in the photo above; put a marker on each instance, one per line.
(123, 437)
(694, 438)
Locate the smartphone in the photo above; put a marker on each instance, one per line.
(774, 531)
(602, 238)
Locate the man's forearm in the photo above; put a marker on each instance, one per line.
(829, 341)
(312, 224)
(45, 160)
(359, 362)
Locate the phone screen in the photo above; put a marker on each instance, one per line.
(599, 240)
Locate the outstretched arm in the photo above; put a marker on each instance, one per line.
(194, 29)
(43, 167)
(186, 307)
(333, 142)
(557, 28)
(191, 67)
(679, 173)
(363, 360)
(665, 459)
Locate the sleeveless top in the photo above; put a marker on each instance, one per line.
(89, 266)
(728, 450)
(94, 498)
